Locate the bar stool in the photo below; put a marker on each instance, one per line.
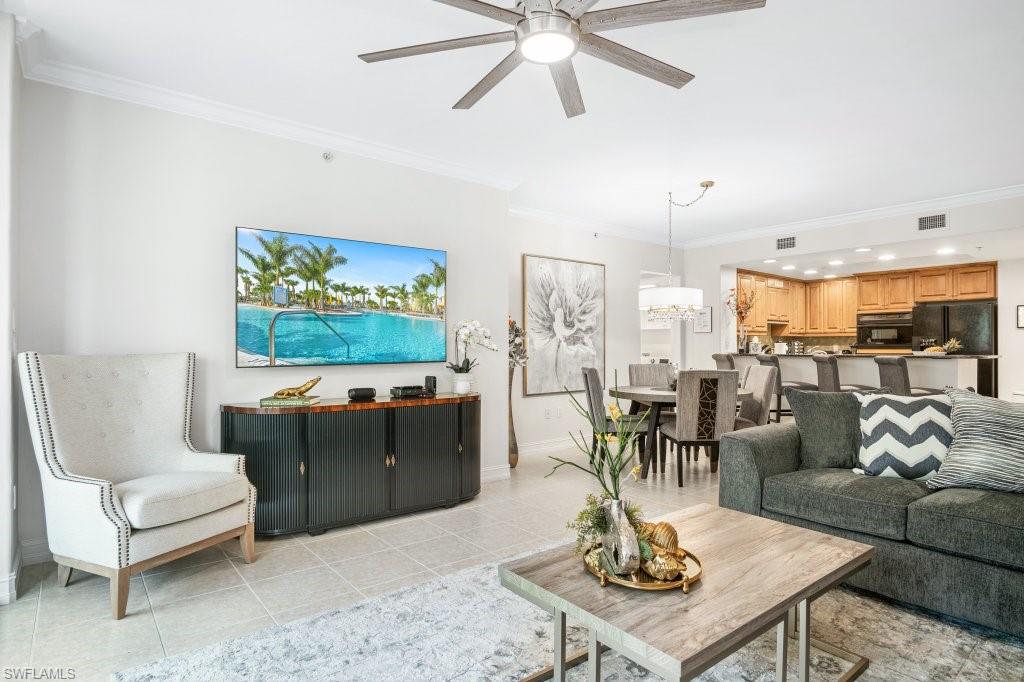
(828, 376)
(894, 377)
(725, 362)
(780, 385)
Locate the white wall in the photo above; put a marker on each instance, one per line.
(127, 246)
(710, 268)
(10, 77)
(544, 422)
(1011, 340)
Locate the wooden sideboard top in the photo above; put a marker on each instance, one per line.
(344, 405)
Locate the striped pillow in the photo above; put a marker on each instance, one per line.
(904, 437)
(988, 445)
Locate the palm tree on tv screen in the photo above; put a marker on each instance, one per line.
(402, 294)
(421, 285)
(381, 292)
(439, 277)
(322, 261)
(279, 252)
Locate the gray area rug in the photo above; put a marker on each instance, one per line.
(467, 627)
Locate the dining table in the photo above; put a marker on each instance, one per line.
(658, 398)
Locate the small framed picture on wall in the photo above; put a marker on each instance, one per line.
(1020, 317)
(702, 321)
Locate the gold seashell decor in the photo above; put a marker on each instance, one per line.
(663, 566)
(663, 535)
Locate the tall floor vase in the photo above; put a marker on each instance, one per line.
(513, 445)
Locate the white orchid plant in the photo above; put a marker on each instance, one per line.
(469, 333)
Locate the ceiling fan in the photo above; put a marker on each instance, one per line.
(552, 31)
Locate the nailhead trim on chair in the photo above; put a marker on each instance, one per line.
(56, 468)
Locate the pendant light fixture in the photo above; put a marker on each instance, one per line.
(671, 302)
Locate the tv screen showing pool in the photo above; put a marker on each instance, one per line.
(309, 300)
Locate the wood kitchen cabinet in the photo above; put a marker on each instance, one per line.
(797, 308)
(815, 308)
(974, 282)
(933, 285)
(835, 318)
(850, 304)
(778, 300)
(885, 292)
(757, 319)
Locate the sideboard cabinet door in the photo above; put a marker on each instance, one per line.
(274, 446)
(425, 472)
(469, 450)
(348, 471)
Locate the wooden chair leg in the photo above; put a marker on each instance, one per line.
(679, 464)
(248, 542)
(63, 575)
(696, 453)
(778, 408)
(119, 581)
(714, 457)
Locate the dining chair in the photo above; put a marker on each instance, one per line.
(828, 376)
(894, 376)
(724, 361)
(773, 361)
(659, 375)
(705, 411)
(756, 409)
(595, 407)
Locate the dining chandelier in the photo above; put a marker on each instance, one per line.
(670, 302)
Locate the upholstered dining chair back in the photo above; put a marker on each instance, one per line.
(828, 373)
(768, 360)
(595, 398)
(658, 374)
(705, 404)
(723, 361)
(761, 382)
(893, 375)
(112, 418)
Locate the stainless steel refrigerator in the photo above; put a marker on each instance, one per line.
(974, 324)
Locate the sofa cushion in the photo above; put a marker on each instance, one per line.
(987, 525)
(829, 425)
(988, 445)
(161, 499)
(904, 436)
(844, 499)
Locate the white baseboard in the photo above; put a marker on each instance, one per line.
(492, 474)
(538, 447)
(9, 583)
(35, 551)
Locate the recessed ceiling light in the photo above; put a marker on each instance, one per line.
(887, 256)
(810, 272)
(768, 260)
(835, 262)
(946, 250)
(831, 276)
(862, 249)
(789, 267)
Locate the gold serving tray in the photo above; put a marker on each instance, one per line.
(641, 581)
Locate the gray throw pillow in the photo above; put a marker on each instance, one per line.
(829, 426)
(988, 445)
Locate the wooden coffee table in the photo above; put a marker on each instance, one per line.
(756, 573)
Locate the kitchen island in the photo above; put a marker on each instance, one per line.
(926, 371)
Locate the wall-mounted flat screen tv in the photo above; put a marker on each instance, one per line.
(308, 300)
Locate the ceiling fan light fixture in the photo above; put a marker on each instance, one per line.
(547, 38)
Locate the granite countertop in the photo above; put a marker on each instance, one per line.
(908, 356)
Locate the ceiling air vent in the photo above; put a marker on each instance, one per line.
(931, 222)
(785, 243)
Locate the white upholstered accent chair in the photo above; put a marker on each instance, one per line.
(123, 487)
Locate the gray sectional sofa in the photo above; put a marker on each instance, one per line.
(956, 551)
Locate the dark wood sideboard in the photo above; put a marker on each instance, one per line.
(341, 462)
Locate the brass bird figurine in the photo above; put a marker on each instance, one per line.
(298, 390)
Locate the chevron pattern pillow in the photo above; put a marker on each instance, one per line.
(904, 437)
(988, 451)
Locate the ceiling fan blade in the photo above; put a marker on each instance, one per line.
(576, 8)
(439, 46)
(495, 76)
(485, 9)
(662, 10)
(533, 6)
(637, 62)
(568, 87)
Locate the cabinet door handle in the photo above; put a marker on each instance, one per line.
(302, 468)
(460, 448)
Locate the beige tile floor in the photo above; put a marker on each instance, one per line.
(215, 595)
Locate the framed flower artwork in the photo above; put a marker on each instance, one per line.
(564, 319)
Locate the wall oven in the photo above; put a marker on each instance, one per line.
(885, 330)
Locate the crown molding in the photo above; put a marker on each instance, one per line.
(923, 207)
(583, 225)
(34, 67)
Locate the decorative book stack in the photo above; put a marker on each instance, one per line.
(296, 401)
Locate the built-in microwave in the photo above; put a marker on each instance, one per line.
(885, 329)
